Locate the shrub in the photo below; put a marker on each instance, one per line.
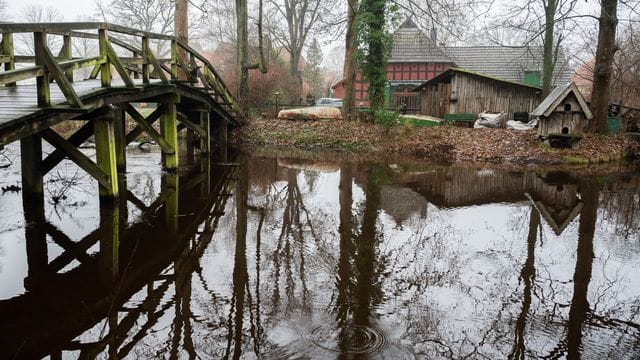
(386, 119)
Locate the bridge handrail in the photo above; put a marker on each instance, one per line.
(48, 65)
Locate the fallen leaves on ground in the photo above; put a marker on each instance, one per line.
(439, 143)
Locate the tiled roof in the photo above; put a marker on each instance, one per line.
(508, 63)
(411, 45)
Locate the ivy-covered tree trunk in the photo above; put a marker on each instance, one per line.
(600, 95)
(377, 40)
(350, 64)
(548, 58)
(242, 69)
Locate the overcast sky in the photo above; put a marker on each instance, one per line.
(70, 9)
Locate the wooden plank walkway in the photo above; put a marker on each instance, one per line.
(19, 102)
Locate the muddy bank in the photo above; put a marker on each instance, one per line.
(444, 143)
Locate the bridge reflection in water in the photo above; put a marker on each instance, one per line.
(158, 252)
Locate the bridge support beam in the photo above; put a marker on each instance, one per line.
(119, 129)
(169, 131)
(106, 153)
(31, 159)
(205, 141)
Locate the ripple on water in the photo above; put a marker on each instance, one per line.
(350, 339)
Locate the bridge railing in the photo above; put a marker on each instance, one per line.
(186, 65)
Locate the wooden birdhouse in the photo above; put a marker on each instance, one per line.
(563, 116)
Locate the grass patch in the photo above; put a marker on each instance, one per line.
(575, 160)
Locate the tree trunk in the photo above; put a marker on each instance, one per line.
(548, 53)
(349, 72)
(296, 77)
(600, 95)
(181, 29)
(242, 70)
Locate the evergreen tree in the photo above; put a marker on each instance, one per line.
(313, 73)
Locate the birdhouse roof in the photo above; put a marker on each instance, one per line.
(551, 102)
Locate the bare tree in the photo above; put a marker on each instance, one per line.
(300, 19)
(147, 15)
(33, 14)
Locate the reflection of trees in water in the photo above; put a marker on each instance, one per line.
(621, 208)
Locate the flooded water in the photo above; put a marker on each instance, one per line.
(321, 257)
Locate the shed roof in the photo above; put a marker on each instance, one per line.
(446, 76)
(411, 45)
(551, 102)
(508, 63)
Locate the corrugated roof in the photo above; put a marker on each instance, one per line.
(508, 63)
(411, 45)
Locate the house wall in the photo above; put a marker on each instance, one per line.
(475, 95)
(396, 72)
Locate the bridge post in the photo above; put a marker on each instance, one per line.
(31, 160)
(120, 133)
(7, 51)
(67, 54)
(205, 141)
(106, 153)
(169, 131)
(105, 69)
(42, 82)
(145, 60)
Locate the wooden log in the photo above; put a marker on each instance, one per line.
(174, 60)
(8, 52)
(10, 77)
(42, 82)
(106, 154)
(157, 67)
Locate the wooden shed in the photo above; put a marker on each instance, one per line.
(460, 91)
(563, 113)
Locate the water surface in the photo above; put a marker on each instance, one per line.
(326, 257)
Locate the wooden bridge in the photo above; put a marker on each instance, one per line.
(40, 90)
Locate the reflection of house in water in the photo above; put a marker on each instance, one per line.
(451, 186)
(555, 195)
(556, 198)
(401, 203)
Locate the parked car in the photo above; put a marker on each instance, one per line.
(329, 102)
